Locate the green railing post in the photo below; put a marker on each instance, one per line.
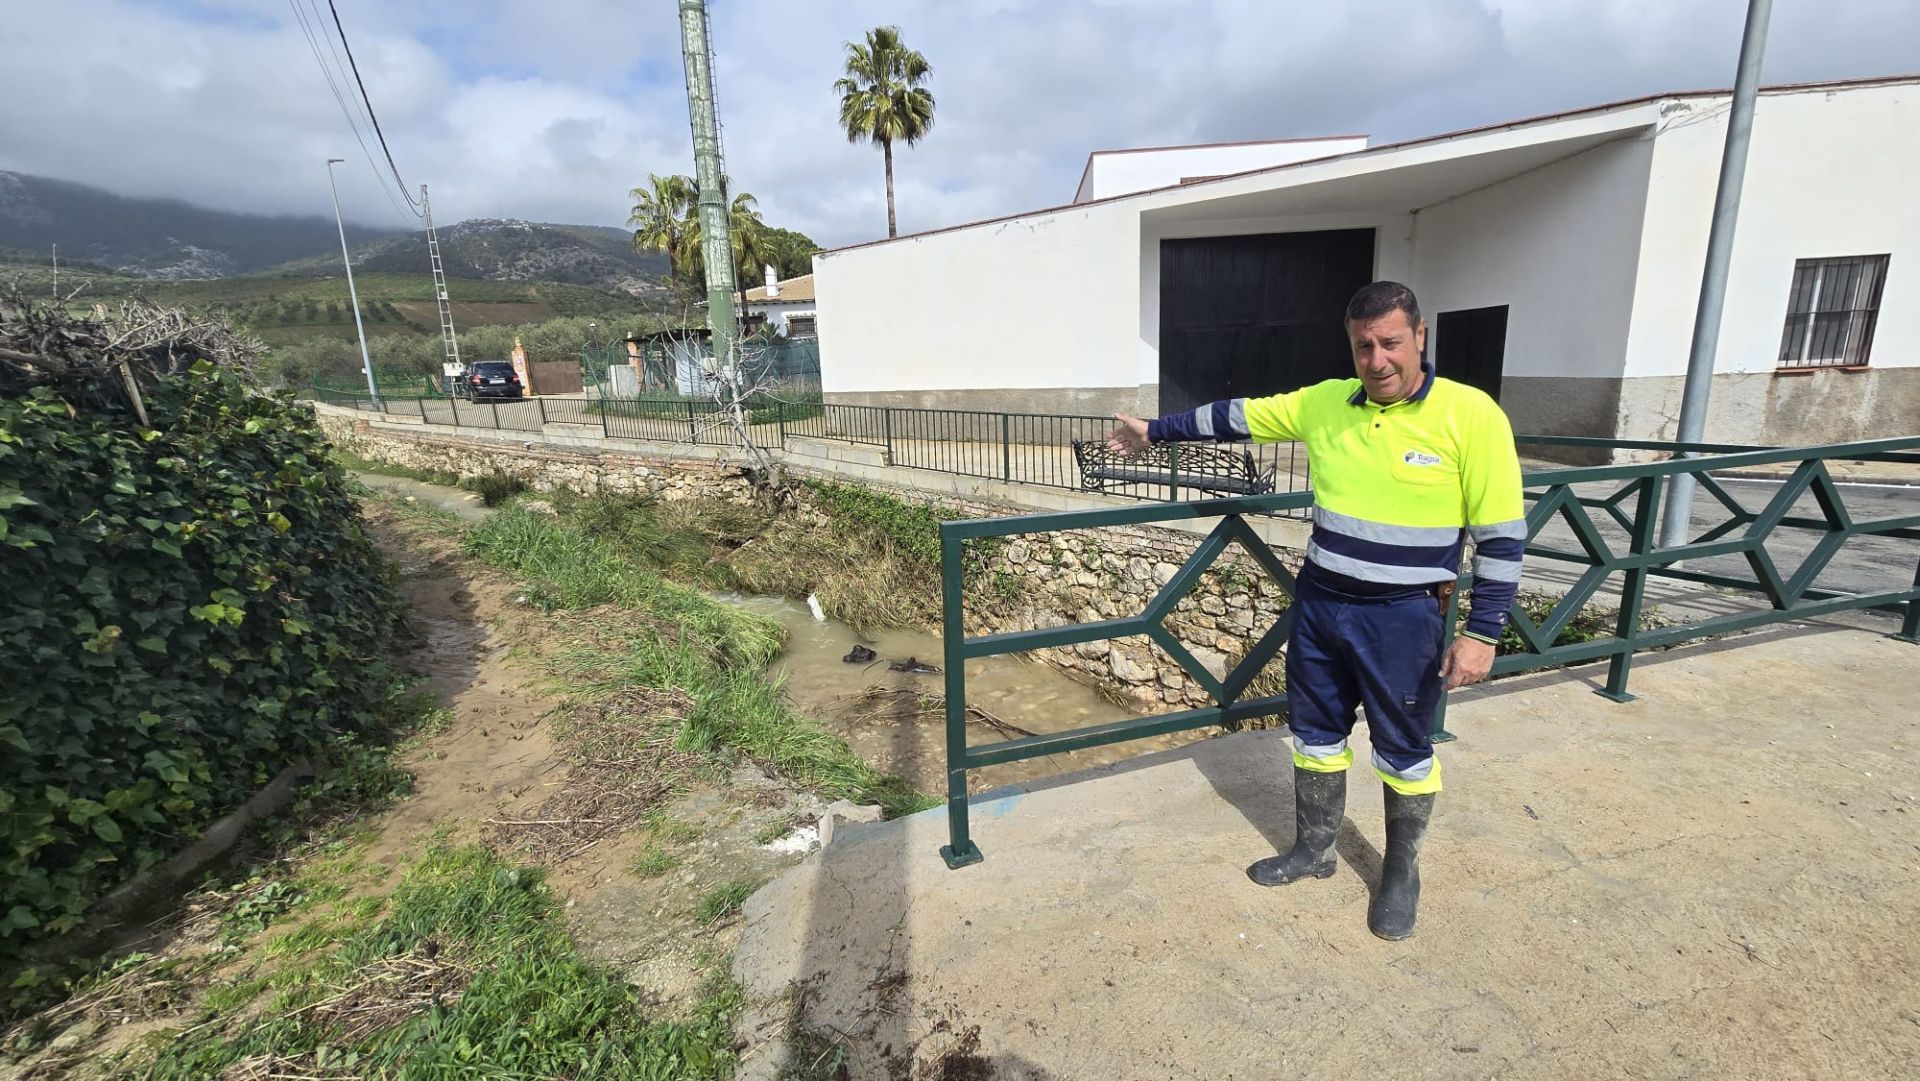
(1006, 449)
(455, 403)
(1633, 591)
(780, 415)
(605, 408)
(542, 403)
(1910, 627)
(1173, 472)
(496, 415)
(886, 427)
(959, 851)
(422, 403)
(693, 426)
(1448, 619)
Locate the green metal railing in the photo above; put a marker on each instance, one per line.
(1634, 504)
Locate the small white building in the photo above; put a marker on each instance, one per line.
(1558, 260)
(786, 305)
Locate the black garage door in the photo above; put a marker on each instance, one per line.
(1242, 316)
(1472, 347)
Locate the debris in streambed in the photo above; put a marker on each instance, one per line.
(813, 605)
(893, 705)
(805, 839)
(914, 665)
(859, 655)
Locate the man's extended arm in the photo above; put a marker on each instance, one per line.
(1272, 419)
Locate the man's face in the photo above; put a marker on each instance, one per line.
(1386, 355)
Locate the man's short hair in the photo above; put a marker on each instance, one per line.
(1379, 299)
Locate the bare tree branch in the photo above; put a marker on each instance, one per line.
(109, 354)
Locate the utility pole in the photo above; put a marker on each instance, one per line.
(366, 363)
(716, 242)
(449, 344)
(1677, 519)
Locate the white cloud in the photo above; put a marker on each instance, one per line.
(552, 110)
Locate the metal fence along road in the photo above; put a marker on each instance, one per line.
(1016, 448)
(1566, 509)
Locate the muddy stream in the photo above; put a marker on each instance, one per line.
(893, 719)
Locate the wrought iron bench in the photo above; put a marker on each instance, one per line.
(1206, 467)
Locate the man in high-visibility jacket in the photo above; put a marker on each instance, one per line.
(1406, 467)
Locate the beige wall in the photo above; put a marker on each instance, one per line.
(1830, 406)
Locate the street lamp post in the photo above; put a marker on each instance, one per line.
(366, 363)
(1676, 519)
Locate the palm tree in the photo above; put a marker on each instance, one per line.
(883, 98)
(659, 218)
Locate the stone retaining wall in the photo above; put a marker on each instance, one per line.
(544, 467)
(1029, 582)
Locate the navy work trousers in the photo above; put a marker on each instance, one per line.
(1378, 650)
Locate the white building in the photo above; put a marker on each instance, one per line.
(1123, 172)
(787, 305)
(1558, 260)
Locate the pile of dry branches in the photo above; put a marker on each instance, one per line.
(106, 357)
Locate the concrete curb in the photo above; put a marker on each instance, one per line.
(1754, 474)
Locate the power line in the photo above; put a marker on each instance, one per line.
(339, 63)
(313, 43)
(369, 104)
(340, 98)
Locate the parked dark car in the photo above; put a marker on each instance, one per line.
(493, 379)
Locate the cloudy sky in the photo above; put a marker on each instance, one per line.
(551, 109)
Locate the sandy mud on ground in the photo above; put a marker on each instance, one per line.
(497, 758)
(498, 775)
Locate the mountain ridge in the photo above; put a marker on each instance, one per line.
(171, 239)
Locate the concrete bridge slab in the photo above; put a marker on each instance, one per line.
(1719, 879)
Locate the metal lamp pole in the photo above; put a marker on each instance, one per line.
(1676, 521)
(366, 363)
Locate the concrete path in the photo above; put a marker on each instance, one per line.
(1719, 880)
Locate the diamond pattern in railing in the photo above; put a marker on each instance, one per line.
(1232, 529)
(1811, 477)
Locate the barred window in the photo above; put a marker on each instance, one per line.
(1831, 311)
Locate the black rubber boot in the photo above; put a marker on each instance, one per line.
(1319, 801)
(1397, 901)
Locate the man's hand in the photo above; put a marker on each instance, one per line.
(1466, 663)
(1130, 437)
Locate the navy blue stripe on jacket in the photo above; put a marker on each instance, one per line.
(1223, 421)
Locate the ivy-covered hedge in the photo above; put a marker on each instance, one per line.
(184, 610)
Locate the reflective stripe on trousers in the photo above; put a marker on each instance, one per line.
(1380, 652)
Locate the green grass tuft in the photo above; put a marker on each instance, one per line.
(494, 488)
(667, 829)
(531, 1006)
(723, 901)
(577, 571)
(654, 860)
